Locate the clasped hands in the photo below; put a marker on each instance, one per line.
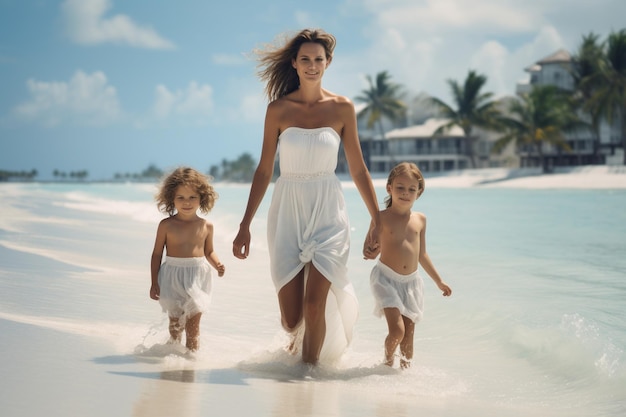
(371, 246)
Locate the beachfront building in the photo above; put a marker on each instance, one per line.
(587, 148)
(431, 152)
(418, 144)
(414, 140)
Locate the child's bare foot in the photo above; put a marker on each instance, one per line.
(176, 330)
(192, 343)
(389, 359)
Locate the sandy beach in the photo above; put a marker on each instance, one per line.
(81, 337)
(589, 177)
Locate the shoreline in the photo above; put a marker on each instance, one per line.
(582, 177)
(587, 177)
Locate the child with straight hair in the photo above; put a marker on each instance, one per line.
(394, 281)
(182, 283)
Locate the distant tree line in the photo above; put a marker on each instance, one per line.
(33, 173)
(18, 175)
(73, 175)
(240, 170)
(149, 174)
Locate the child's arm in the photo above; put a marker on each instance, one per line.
(155, 261)
(426, 263)
(210, 254)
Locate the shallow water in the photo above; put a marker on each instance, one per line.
(534, 327)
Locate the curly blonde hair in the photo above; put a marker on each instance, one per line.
(191, 178)
(405, 168)
(275, 62)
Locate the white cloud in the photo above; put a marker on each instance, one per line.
(228, 60)
(423, 43)
(86, 23)
(193, 106)
(252, 108)
(303, 19)
(454, 15)
(87, 99)
(491, 60)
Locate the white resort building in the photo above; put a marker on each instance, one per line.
(448, 152)
(588, 148)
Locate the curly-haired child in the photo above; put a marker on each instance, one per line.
(182, 283)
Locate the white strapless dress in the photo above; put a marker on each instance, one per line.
(308, 223)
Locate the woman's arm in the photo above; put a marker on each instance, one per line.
(260, 182)
(358, 170)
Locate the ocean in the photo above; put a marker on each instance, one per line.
(535, 325)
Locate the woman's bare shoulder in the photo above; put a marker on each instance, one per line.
(281, 106)
(338, 98)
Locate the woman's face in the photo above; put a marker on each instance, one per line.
(311, 62)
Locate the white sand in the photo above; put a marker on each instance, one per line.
(592, 177)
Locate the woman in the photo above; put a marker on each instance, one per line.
(308, 230)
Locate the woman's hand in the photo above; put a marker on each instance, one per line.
(241, 244)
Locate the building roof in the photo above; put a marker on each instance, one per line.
(533, 68)
(425, 130)
(559, 56)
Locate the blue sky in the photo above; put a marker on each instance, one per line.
(112, 86)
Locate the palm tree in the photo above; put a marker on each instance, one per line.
(383, 98)
(472, 108)
(243, 168)
(586, 64)
(537, 118)
(609, 98)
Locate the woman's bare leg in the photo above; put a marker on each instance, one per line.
(406, 346)
(192, 328)
(317, 287)
(290, 299)
(395, 324)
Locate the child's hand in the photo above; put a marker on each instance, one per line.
(220, 269)
(155, 292)
(447, 291)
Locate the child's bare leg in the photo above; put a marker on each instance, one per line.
(192, 328)
(290, 298)
(406, 345)
(317, 287)
(395, 325)
(175, 329)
